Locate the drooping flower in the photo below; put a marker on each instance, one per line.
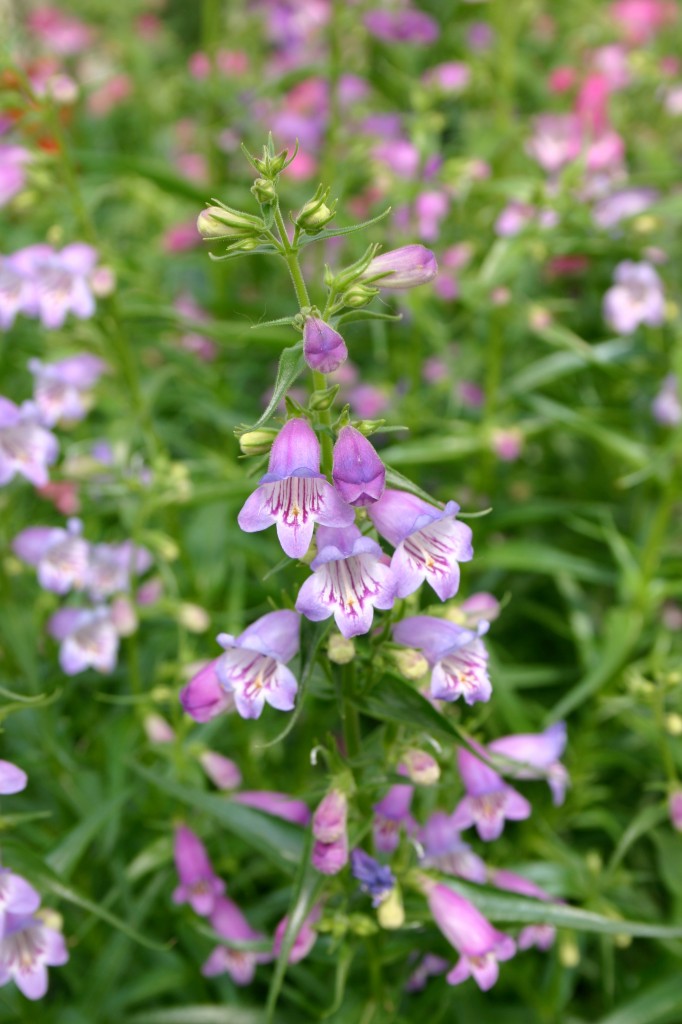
(445, 850)
(281, 805)
(377, 880)
(349, 581)
(429, 542)
(457, 656)
(228, 920)
(402, 268)
(199, 884)
(323, 348)
(27, 948)
(12, 779)
(481, 947)
(306, 936)
(488, 801)
(538, 757)
(635, 298)
(26, 447)
(60, 556)
(358, 473)
(253, 667)
(293, 493)
(541, 936)
(89, 639)
(61, 388)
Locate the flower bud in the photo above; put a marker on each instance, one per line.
(264, 191)
(402, 268)
(391, 913)
(358, 473)
(329, 820)
(330, 858)
(422, 768)
(314, 215)
(257, 442)
(410, 663)
(158, 730)
(340, 650)
(323, 348)
(675, 809)
(221, 222)
(222, 771)
(193, 617)
(359, 295)
(320, 400)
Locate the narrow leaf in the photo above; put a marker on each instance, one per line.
(291, 366)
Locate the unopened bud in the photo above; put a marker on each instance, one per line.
(264, 191)
(402, 268)
(359, 295)
(220, 222)
(158, 730)
(569, 953)
(422, 768)
(257, 442)
(329, 820)
(673, 724)
(675, 809)
(321, 400)
(369, 427)
(323, 348)
(193, 617)
(315, 214)
(410, 663)
(391, 913)
(222, 771)
(340, 651)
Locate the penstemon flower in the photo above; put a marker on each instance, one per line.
(253, 667)
(60, 556)
(323, 347)
(61, 389)
(26, 446)
(89, 639)
(229, 922)
(538, 757)
(358, 473)
(488, 801)
(457, 656)
(28, 947)
(199, 884)
(12, 778)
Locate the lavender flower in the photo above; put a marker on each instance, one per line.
(675, 809)
(390, 814)
(402, 268)
(429, 967)
(17, 292)
(12, 779)
(61, 281)
(622, 205)
(488, 801)
(666, 406)
(323, 347)
(429, 543)
(457, 656)
(349, 581)
(358, 473)
(445, 850)
(222, 771)
(279, 804)
(481, 947)
(26, 447)
(402, 26)
(204, 697)
(60, 556)
(306, 936)
(293, 493)
(375, 879)
(17, 896)
(89, 639)
(539, 754)
(635, 298)
(61, 388)
(227, 920)
(253, 667)
(330, 851)
(541, 936)
(112, 566)
(27, 948)
(199, 884)
(12, 172)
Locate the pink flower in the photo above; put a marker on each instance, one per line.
(481, 947)
(488, 801)
(199, 884)
(305, 938)
(89, 639)
(228, 920)
(27, 948)
(60, 556)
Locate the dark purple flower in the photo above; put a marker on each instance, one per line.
(349, 581)
(429, 543)
(488, 801)
(538, 756)
(402, 268)
(203, 698)
(457, 656)
(358, 473)
(323, 347)
(60, 556)
(199, 884)
(293, 493)
(375, 879)
(27, 948)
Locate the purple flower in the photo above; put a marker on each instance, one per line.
(488, 801)
(628, 202)
(481, 947)
(431, 965)
(253, 667)
(557, 141)
(222, 771)
(329, 820)
(89, 639)
(12, 779)
(402, 268)
(227, 920)
(60, 389)
(541, 936)
(635, 298)
(445, 850)
(203, 698)
(305, 938)
(390, 814)
(61, 281)
(375, 879)
(330, 858)
(451, 77)
(60, 556)
(458, 659)
(112, 567)
(358, 473)
(293, 493)
(538, 754)
(26, 447)
(666, 407)
(349, 581)
(17, 292)
(278, 804)
(199, 884)
(323, 347)
(404, 26)
(675, 809)
(27, 948)
(429, 543)
(12, 173)
(17, 896)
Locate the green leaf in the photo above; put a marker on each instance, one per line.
(312, 635)
(199, 1015)
(338, 232)
(506, 907)
(278, 840)
(66, 855)
(659, 1004)
(536, 557)
(433, 449)
(291, 366)
(561, 364)
(615, 443)
(396, 479)
(393, 700)
(356, 315)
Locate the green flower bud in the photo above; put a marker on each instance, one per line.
(257, 442)
(220, 222)
(321, 400)
(410, 663)
(340, 650)
(359, 295)
(314, 215)
(264, 190)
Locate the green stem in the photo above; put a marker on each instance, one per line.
(349, 713)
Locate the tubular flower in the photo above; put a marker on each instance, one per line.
(481, 947)
(375, 879)
(60, 556)
(27, 949)
(390, 814)
(89, 639)
(349, 581)
(541, 936)
(445, 850)
(26, 447)
(203, 698)
(305, 938)
(323, 348)
(429, 543)
(227, 920)
(61, 280)
(279, 804)
(61, 388)
(538, 757)
(407, 267)
(253, 667)
(457, 656)
(293, 493)
(12, 778)
(199, 884)
(489, 800)
(358, 473)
